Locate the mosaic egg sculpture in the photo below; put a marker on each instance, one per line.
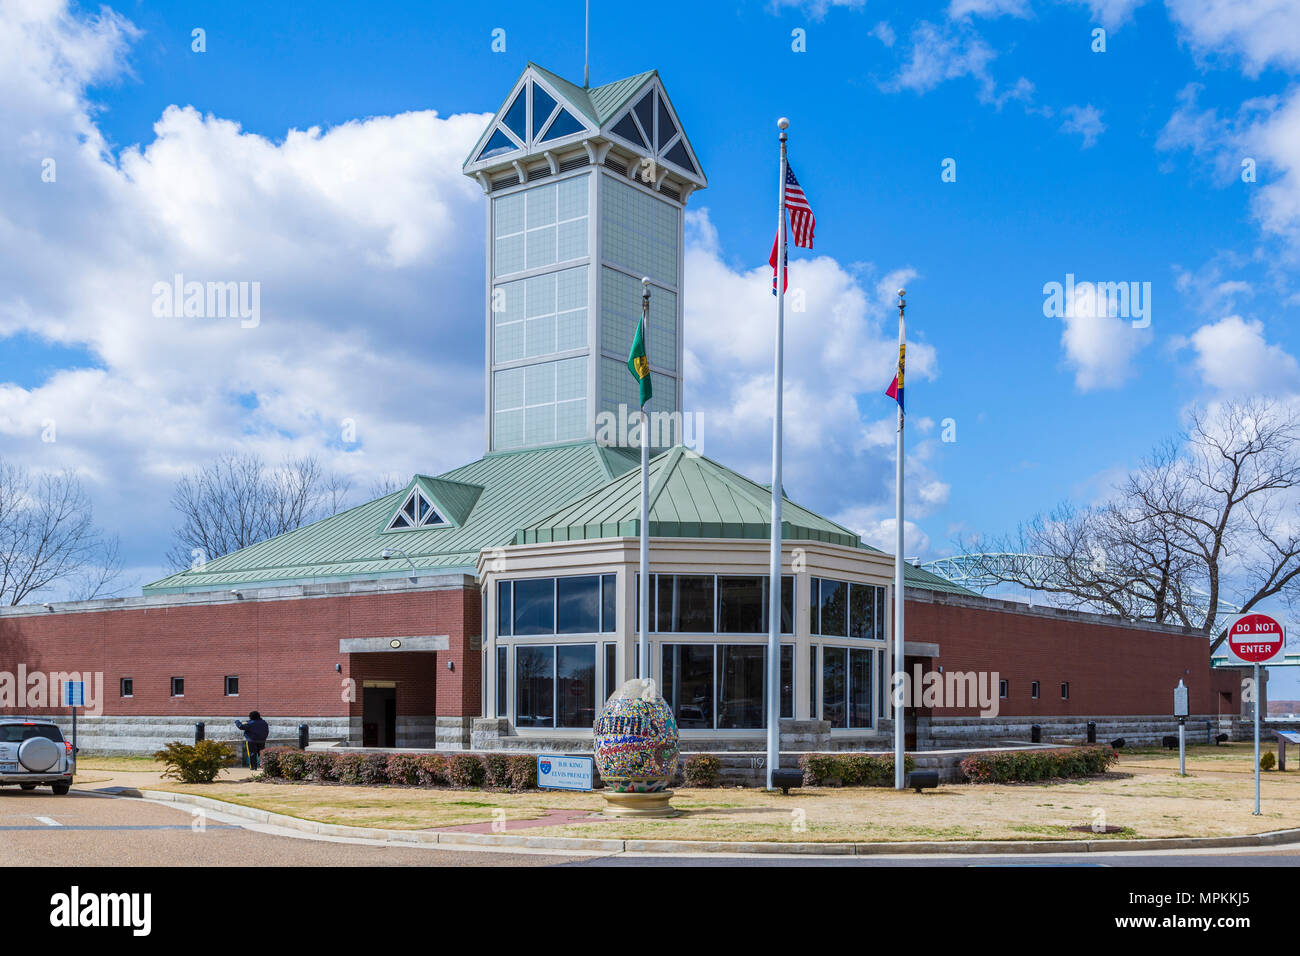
(636, 740)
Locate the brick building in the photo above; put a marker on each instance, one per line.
(494, 605)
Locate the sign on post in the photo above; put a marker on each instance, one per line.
(1180, 700)
(1255, 638)
(74, 693)
(557, 772)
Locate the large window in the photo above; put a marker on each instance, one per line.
(540, 315)
(841, 609)
(581, 604)
(539, 404)
(555, 685)
(723, 686)
(540, 226)
(503, 681)
(847, 686)
(716, 604)
(639, 231)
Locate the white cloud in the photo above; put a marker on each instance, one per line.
(953, 51)
(840, 354)
(1084, 121)
(879, 528)
(1099, 345)
(1261, 33)
(1110, 13)
(1233, 356)
(815, 9)
(365, 239)
(988, 8)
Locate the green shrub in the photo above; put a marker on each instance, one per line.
(374, 769)
(319, 765)
(1027, 766)
(348, 768)
(293, 765)
(431, 770)
(404, 768)
(495, 769)
(195, 763)
(1268, 761)
(270, 760)
(465, 771)
(521, 772)
(850, 769)
(702, 770)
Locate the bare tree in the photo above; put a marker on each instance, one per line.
(237, 501)
(386, 484)
(1213, 517)
(48, 538)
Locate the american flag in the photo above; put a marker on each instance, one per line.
(802, 220)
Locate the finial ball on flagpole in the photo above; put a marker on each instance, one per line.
(645, 281)
(783, 123)
(902, 292)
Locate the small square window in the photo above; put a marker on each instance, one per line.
(127, 687)
(178, 686)
(1065, 690)
(1004, 689)
(1033, 690)
(232, 686)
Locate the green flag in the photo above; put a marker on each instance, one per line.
(637, 363)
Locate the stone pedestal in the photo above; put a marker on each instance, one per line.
(654, 804)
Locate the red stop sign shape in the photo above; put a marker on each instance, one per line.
(1256, 637)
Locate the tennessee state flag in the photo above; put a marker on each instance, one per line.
(895, 390)
(771, 260)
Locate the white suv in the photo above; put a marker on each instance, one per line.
(32, 752)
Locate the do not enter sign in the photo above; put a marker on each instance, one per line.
(1256, 637)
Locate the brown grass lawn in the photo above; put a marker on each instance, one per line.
(1144, 796)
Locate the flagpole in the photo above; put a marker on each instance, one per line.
(643, 597)
(899, 702)
(774, 583)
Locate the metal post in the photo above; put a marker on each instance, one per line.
(774, 569)
(74, 732)
(643, 643)
(1256, 739)
(1182, 746)
(899, 703)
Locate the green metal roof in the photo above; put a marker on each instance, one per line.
(690, 497)
(514, 488)
(584, 489)
(599, 103)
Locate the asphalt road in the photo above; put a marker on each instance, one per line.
(87, 829)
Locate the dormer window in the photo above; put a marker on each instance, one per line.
(417, 511)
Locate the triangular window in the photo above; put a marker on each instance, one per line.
(498, 145)
(645, 112)
(626, 127)
(543, 106)
(516, 116)
(679, 156)
(667, 129)
(565, 125)
(417, 511)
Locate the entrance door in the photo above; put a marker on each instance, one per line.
(379, 717)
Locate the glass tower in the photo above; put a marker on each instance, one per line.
(586, 195)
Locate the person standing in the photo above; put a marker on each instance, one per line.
(256, 730)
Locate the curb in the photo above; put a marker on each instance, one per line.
(911, 848)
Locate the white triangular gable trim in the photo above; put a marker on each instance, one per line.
(653, 84)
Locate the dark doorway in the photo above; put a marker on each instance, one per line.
(379, 717)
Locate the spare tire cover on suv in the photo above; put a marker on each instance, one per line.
(38, 754)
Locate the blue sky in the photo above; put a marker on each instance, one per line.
(1120, 165)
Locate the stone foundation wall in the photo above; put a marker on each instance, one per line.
(145, 735)
(935, 733)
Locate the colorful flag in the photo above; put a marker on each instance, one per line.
(802, 219)
(638, 364)
(895, 390)
(771, 260)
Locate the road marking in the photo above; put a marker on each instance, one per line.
(49, 822)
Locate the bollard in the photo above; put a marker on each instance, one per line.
(1092, 731)
(1035, 734)
(303, 735)
(198, 731)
